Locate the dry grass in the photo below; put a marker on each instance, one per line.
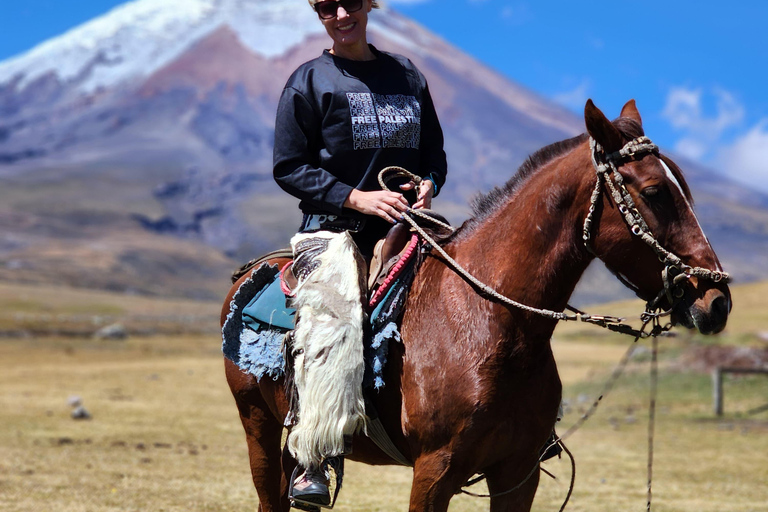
(30, 309)
(165, 435)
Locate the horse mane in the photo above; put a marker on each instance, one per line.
(483, 205)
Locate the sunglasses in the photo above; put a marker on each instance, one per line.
(328, 9)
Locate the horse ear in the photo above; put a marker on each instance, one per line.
(601, 129)
(630, 110)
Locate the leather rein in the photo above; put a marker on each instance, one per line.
(674, 275)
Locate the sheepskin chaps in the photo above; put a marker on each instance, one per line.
(328, 344)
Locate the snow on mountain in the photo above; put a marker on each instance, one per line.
(138, 38)
(133, 41)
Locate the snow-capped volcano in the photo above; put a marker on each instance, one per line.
(155, 123)
(131, 42)
(136, 39)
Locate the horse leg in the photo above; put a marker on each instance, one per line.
(434, 483)
(508, 476)
(263, 434)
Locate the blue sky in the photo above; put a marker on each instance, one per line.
(698, 70)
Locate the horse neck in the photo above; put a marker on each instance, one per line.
(530, 249)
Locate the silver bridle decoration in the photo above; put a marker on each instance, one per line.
(606, 167)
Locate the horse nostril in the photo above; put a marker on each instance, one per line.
(715, 321)
(720, 306)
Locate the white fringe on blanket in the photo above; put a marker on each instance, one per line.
(328, 348)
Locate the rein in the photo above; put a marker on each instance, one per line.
(674, 275)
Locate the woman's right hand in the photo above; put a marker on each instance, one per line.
(388, 205)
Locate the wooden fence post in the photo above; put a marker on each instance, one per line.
(717, 389)
(717, 385)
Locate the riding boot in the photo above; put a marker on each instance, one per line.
(311, 488)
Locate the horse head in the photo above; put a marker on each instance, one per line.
(643, 227)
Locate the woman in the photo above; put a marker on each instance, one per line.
(342, 118)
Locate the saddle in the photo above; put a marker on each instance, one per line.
(271, 306)
(397, 247)
(386, 253)
(261, 314)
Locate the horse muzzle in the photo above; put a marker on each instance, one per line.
(704, 310)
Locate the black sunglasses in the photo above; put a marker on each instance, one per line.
(328, 9)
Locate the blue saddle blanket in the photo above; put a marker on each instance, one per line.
(268, 308)
(258, 319)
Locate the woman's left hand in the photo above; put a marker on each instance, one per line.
(424, 197)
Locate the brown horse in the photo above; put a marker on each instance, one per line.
(474, 388)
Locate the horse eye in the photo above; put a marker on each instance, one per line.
(650, 192)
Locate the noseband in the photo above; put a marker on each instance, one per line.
(675, 272)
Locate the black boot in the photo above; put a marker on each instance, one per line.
(311, 488)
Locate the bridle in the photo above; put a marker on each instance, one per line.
(675, 272)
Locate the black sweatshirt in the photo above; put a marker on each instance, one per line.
(339, 122)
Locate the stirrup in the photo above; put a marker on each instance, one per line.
(298, 505)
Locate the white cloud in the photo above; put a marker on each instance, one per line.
(702, 131)
(693, 148)
(516, 14)
(746, 159)
(683, 106)
(406, 2)
(715, 136)
(576, 98)
(596, 42)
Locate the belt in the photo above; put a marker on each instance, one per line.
(325, 222)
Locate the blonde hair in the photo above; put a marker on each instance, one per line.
(376, 3)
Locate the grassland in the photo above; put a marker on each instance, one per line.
(164, 433)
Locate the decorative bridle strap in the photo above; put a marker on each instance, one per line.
(606, 166)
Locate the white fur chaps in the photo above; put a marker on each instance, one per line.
(328, 344)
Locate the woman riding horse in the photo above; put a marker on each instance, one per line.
(342, 118)
(474, 386)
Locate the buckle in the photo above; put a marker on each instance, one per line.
(327, 222)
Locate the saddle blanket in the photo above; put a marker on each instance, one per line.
(252, 335)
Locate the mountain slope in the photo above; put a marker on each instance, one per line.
(141, 141)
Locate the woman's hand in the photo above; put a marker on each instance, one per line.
(424, 197)
(390, 206)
